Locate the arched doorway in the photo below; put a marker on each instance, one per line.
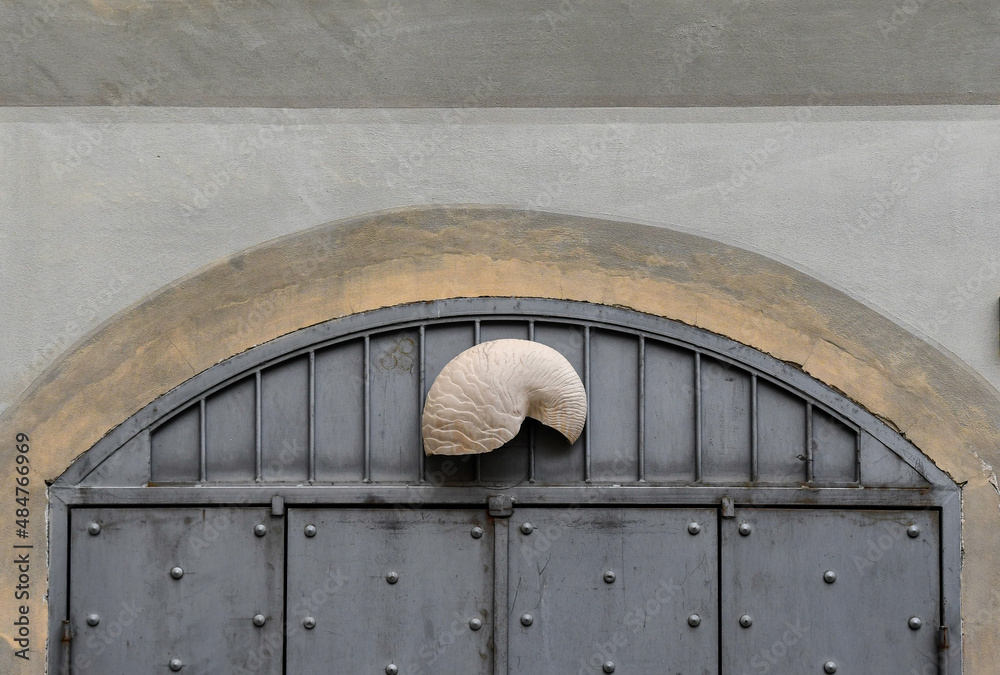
(723, 513)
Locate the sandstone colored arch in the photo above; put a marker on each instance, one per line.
(413, 255)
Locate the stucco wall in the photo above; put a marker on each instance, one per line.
(101, 209)
(895, 206)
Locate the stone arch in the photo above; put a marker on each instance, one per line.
(416, 255)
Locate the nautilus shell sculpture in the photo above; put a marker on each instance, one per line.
(479, 400)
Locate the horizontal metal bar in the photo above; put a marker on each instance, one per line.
(422, 495)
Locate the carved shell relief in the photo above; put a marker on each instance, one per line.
(480, 399)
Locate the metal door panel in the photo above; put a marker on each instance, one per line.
(639, 620)
(146, 617)
(801, 618)
(363, 623)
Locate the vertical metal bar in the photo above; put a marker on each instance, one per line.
(642, 408)
(697, 416)
(586, 386)
(368, 414)
(754, 462)
(60, 535)
(501, 609)
(478, 459)
(809, 442)
(857, 456)
(312, 416)
(423, 393)
(203, 443)
(531, 427)
(258, 435)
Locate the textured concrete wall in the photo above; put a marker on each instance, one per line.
(392, 53)
(895, 206)
(409, 255)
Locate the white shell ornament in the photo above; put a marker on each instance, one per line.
(479, 400)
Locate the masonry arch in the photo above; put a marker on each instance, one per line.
(393, 260)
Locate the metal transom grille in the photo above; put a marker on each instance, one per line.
(721, 513)
(663, 409)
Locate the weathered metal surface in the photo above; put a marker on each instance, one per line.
(175, 583)
(661, 411)
(662, 575)
(779, 574)
(419, 620)
(681, 422)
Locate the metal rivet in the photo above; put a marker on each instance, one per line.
(94, 528)
(829, 576)
(913, 531)
(694, 528)
(93, 619)
(746, 620)
(310, 530)
(526, 528)
(392, 577)
(477, 532)
(829, 667)
(260, 529)
(915, 623)
(745, 529)
(177, 573)
(609, 577)
(475, 624)
(608, 667)
(175, 665)
(391, 669)
(527, 619)
(259, 620)
(694, 620)
(309, 623)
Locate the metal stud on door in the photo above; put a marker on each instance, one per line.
(192, 590)
(829, 591)
(613, 590)
(390, 590)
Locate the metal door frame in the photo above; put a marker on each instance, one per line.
(411, 497)
(942, 495)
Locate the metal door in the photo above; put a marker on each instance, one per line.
(630, 591)
(170, 589)
(830, 591)
(391, 590)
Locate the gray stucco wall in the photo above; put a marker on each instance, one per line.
(895, 206)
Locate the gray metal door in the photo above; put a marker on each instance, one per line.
(830, 591)
(390, 590)
(629, 591)
(199, 587)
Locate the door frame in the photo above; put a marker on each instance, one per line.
(724, 499)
